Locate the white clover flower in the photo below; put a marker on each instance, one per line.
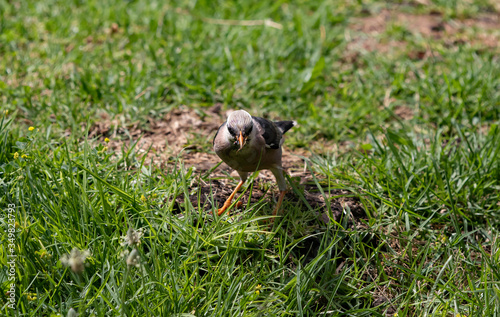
(133, 237)
(75, 260)
(134, 258)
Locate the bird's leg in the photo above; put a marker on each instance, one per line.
(280, 200)
(280, 179)
(227, 204)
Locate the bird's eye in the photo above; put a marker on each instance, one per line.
(248, 130)
(231, 130)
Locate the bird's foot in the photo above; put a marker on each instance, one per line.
(225, 207)
(227, 204)
(220, 211)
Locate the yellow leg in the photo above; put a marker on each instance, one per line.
(280, 200)
(228, 201)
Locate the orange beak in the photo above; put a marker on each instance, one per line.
(241, 140)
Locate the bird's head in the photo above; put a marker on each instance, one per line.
(240, 126)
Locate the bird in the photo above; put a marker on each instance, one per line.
(249, 144)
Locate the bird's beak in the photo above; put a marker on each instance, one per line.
(241, 140)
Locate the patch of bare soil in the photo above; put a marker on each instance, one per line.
(180, 131)
(482, 31)
(404, 112)
(188, 134)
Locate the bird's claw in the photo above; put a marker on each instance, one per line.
(220, 211)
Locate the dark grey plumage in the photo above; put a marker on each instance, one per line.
(273, 131)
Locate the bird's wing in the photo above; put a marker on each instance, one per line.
(270, 132)
(215, 137)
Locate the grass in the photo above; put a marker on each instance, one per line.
(413, 141)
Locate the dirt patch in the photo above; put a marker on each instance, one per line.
(180, 132)
(482, 31)
(404, 112)
(187, 134)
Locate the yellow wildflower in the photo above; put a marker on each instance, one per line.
(24, 156)
(6, 112)
(143, 198)
(257, 289)
(31, 296)
(31, 128)
(106, 140)
(16, 155)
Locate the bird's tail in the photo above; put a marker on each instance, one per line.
(285, 125)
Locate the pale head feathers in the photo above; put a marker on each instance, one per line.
(239, 120)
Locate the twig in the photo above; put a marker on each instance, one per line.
(266, 22)
(142, 93)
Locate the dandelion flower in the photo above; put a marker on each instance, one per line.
(75, 260)
(133, 237)
(16, 155)
(133, 259)
(106, 140)
(31, 128)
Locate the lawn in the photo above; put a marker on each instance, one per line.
(108, 178)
